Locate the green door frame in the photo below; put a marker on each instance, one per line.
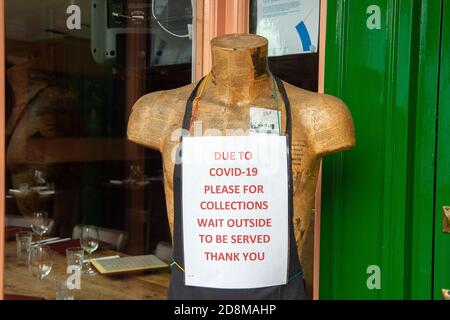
(378, 199)
(442, 240)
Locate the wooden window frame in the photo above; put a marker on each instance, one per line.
(2, 144)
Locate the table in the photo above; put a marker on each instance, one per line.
(150, 285)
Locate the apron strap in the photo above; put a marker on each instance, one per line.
(188, 111)
(287, 106)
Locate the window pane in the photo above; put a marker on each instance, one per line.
(292, 28)
(74, 70)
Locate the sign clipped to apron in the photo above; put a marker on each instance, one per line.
(235, 211)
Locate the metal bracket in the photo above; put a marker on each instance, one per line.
(446, 219)
(446, 294)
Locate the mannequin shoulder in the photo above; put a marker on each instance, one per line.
(326, 119)
(156, 114)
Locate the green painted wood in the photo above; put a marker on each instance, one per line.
(422, 155)
(377, 202)
(442, 240)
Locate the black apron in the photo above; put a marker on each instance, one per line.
(293, 290)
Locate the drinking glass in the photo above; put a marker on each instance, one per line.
(39, 223)
(89, 242)
(62, 291)
(39, 177)
(75, 256)
(40, 261)
(23, 244)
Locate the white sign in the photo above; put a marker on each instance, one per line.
(291, 26)
(235, 211)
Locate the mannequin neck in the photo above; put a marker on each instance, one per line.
(239, 69)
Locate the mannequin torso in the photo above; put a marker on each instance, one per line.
(240, 80)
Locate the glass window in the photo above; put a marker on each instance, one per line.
(74, 71)
(292, 28)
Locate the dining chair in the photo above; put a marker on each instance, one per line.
(164, 251)
(24, 222)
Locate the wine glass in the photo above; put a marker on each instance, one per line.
(40, 261)
(39, 177)
(89, 241)
(39, 223)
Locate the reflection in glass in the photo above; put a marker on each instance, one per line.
(39, 223)
(67, 106)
